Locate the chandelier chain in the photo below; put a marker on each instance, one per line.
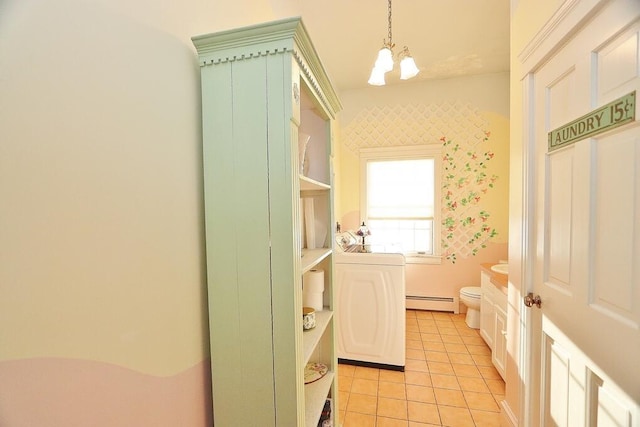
(389, 16)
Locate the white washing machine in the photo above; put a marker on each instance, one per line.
(370, 304)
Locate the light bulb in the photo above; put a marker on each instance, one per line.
(377, 77)
(385, 59)
(408, 68)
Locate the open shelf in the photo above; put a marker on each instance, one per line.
(315, 395)
(312, 257)
(307, 184)
(312, 336)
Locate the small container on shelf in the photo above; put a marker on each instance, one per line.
(325, 419)
(308, 318)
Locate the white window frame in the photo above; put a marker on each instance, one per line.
(427, 151)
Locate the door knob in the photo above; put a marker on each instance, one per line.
(531, 300)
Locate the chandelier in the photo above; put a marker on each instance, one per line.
(384, 63)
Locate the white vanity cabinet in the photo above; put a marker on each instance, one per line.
(261, 86)
(493, 320)
(499, 351)
(487, 310)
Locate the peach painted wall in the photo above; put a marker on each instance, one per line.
(469, 116)
(103, 318)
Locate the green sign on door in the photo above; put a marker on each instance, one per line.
(611, 115)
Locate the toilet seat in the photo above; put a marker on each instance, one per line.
(471, 292)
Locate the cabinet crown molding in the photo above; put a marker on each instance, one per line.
(271, 38)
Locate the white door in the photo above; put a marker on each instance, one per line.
(585, 244)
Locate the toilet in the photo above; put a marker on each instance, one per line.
(470, 296)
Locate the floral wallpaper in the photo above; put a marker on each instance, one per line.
(466, 179)
(465, 182)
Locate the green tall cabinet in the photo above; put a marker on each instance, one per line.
(262, 86)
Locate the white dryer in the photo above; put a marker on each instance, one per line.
(370, 304)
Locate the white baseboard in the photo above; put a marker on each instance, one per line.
(508, 417)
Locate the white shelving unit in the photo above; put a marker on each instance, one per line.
(261, 86)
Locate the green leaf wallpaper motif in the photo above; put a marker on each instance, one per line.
(466, 179)
(465, 182)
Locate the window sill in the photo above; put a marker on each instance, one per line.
(423, 259)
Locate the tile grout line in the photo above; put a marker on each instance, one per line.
(451, 324)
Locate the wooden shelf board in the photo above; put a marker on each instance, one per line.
(315, 395)
(311, 338)
(312, 257)
(307, 184)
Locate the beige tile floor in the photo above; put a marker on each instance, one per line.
(449, 380)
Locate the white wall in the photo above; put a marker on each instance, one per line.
(489, 92)
(101, 182)
(101, 214)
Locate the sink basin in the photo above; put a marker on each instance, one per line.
(500, 268)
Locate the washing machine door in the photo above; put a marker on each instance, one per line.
(370, 314)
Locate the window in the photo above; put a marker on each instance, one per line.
(401, 199)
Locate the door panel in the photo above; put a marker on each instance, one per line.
(617, 65)
(499, 351)
(616, 213)
(558, 220)
(561, 104)
(586, 199)
(557, 379)
(486, 319)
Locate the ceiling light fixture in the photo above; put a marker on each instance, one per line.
(384, 63)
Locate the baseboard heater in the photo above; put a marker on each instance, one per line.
(450, 304)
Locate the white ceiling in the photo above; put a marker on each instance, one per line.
(447, 38)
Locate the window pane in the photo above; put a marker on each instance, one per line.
(400, 188)
(401, 195)
(412, 236)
